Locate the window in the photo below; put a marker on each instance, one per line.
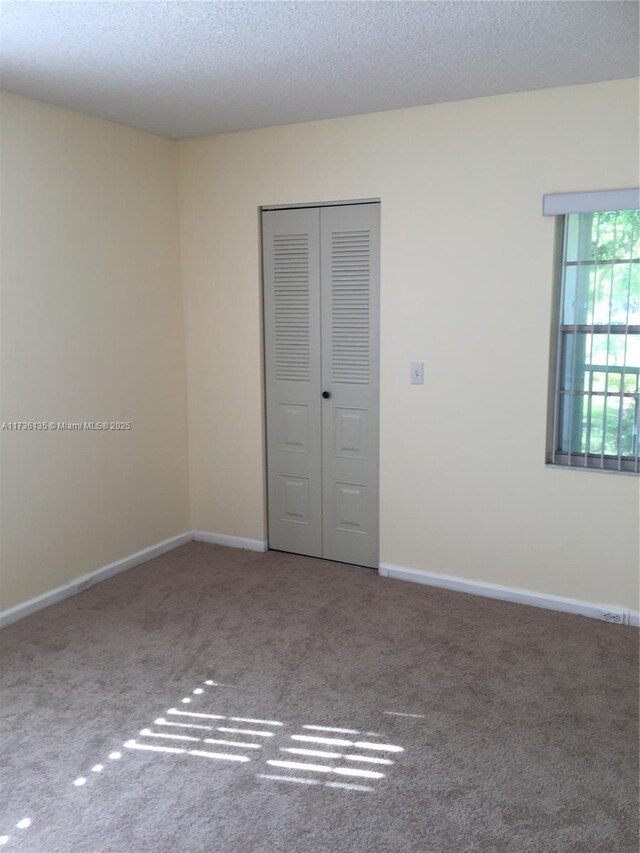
(595, 416)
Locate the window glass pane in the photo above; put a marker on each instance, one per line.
(633, 288)
(594, 426)
(632, 359)
(597, 371)
(598, 353)
(601, 285)
(574, 382)
(614, 380)
(629, 426)
(601, 270)
(611, 418)
(615, 235)
(599, 362)
(569, 316)
(578, 286)
(568, 443)
(599, 424)
(578, 236)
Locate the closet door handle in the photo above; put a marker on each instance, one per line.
(326, 395)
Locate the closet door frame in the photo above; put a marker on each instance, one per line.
(295, 206)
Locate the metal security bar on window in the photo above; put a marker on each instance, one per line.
(597, 402)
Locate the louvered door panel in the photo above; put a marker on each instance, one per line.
(350, 297)
(349, 254)
(291, 307)
(291, 272)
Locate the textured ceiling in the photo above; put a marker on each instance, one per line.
(185, 69)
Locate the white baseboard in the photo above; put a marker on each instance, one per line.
(387, 570)
(13, 614)
(506, 593)
(26, 608)
(230, 541)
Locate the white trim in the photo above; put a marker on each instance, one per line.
(13, 614)
(507, 593)
(557, 204)
(350, 203)
(230, 541)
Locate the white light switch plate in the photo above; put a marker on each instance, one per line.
(417, 372)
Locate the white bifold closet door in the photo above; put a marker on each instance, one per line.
(321, 305)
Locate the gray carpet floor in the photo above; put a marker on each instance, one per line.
(428, 720)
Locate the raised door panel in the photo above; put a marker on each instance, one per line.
(349, 257)
(291, 272)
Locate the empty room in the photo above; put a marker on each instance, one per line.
(320, 426)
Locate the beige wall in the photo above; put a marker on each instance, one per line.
(92, 330)
(466, 288)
